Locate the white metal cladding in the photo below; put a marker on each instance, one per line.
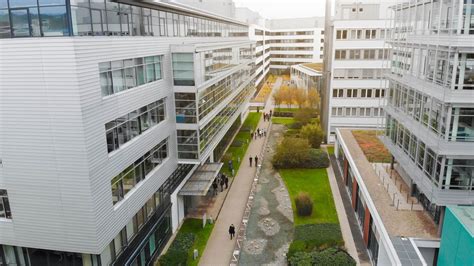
(56, 167)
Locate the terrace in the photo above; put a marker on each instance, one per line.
(401, 214)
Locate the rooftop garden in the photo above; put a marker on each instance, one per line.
(372, 147)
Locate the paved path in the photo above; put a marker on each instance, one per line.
(342, 216)
(219, 247)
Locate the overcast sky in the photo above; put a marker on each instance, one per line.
(284, 8)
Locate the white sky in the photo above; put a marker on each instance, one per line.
(284, 8)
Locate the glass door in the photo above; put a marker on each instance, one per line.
(20, 19)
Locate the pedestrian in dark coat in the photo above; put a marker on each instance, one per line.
(250, 160)
(256, 161)
(226, 181)
(232, 231)
(214, 187)
(222, 183)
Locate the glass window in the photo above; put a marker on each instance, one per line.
(4, 24)
(5, 211)
(183, 69)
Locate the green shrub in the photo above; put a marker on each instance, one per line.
(318, 158)
(283, 114)
(177, 253)
(292, 133)
(295, 125)
(237, 143)
(291, 153)
(328, 257)
(305, 115)
(295, 152)
(311, 237)
(314, 134)
(174, 257)
(245, 129)
(304, 204)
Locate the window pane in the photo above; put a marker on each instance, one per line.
(117, 76)
(81, 21)
(106, 83)
(51, 2)
(4, 24)
(23, 3)
(54, 21)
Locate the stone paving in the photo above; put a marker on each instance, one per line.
(270, 226)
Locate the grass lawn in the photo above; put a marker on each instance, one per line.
(202, 235)
(371, 145)
(315, 182)
(238, 152)
(283, 120)
(330, 150)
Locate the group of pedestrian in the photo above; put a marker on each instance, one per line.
(256, 160)
(259, 132)
(267, 116)
(223, 181)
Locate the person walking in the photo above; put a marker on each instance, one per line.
(256, 161)
(251, 135)
(214, 187)
(265, 133)
(232, 231)
(250, 161)
(226, 181)
(270, 113)
(222, 182)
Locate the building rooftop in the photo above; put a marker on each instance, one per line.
(310, 69)
(465, 215)
(397, 221)
(315, 66)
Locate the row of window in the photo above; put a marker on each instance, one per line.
(362, 54)
(358, 93)
(103, 17)
(291, 48)
(138, 171)
(120, 75)
(444, 172)
(359, 73)
(290, 41)
(357, 112)
(361, 34)
(432, 113)
(159, 199)
(5, 211)
(123, 129)
(309, 56)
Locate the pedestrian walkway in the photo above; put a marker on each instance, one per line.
(219, 247)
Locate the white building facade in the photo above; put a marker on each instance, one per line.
(359, 57)
(92, 149)
(430, 102)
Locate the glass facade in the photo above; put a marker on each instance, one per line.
(42, 18)
(188, 142)
(120, 75)
(123, 129)
(138, 171)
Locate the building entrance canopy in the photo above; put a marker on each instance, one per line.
(201, 180)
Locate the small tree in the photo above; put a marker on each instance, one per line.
(304, 115)
(278, 97)
(314, 100)
(299, 96)
(291, 153)
(314, 134)
(287, 95)
(304, 204)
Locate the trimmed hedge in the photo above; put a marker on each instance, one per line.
(296, 153)
(295, 125)
(329, 256)
(311, 237)
(177, 253)
(283, 114)
(237, 143)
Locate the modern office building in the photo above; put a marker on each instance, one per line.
(430, 101)
(457, 239)
(107, 110)
(359, 56)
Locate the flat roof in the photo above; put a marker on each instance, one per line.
(201, 180)
(465, 215)
(310, 69)
(400, 222)
(406, 251)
